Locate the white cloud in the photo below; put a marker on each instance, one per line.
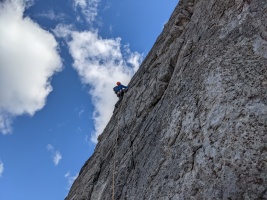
(100, 64)
(56, 155)
(81, 112)
(28, 59)
(50, 147)
(88, 8)
(1, 168)
(67, 175)
(5, 122)
(70, 179)
(52, 15)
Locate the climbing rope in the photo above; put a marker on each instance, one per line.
(114, 162)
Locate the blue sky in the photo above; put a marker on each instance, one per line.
(59, 61)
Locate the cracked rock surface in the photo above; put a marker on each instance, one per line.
(194, 123)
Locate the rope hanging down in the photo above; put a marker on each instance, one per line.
(114, 162)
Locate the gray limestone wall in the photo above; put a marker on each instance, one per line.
(194, 123)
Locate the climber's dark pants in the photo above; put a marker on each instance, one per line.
(120, 99)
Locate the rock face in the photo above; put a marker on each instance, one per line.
(194, 123)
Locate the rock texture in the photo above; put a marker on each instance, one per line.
(194, 123)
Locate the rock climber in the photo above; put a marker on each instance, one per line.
(119, 91)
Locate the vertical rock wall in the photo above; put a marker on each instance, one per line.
(194, 123)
